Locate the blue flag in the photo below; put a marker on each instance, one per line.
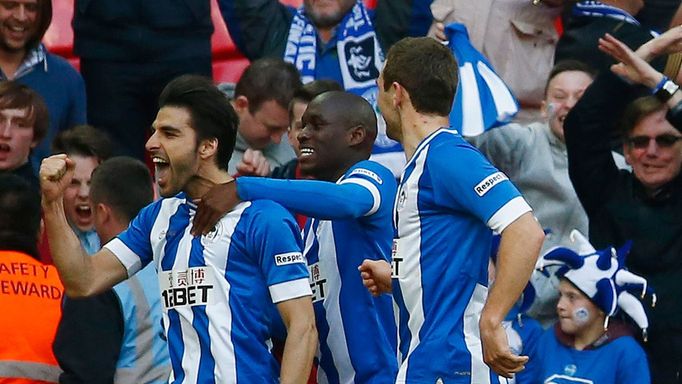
(483, 100)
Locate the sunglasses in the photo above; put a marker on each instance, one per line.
(664, 141)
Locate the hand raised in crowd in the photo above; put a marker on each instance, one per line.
(56, 173)
(253, 163)
(496, 352)
(631, 67)
(376, 276)
(665, 44)
(215, 203)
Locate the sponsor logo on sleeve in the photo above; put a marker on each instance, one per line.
(367, 173)
(190, 287)
(489, 182)
(289, 258)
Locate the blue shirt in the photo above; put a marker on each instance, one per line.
(619, 361)
(449, 199)
(217, 290)
(63, 90)
(349, 221)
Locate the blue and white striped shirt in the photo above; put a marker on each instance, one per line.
(449, 198)
(217, 290)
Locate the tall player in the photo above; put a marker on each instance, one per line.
(350, 205)
(216, 289)
(450, 200)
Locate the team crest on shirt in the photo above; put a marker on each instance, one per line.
(489, 182)
(402, 198)
(214, 234)
(189, 287)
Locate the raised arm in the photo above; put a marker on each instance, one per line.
(352, 198)
(82, 275)
(259, 28)
(301, 342)
(519, 247)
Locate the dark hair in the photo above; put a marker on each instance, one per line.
(638, 110)
(83, 140)
(43, 19)
(568, 66)
(211, 113)
(268, 79)
(124, 184)
(307, 92)
(427, 70)
(19, 215)
(14, 95)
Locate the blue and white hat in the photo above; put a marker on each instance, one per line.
(603, 277)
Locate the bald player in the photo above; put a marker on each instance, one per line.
(349, 205)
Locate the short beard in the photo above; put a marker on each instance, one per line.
(326, 21)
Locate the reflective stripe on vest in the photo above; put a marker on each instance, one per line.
(33, 371)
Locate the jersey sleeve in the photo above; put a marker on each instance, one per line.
(133, 247)
(275, 239)
(360, 193)
(464, 180)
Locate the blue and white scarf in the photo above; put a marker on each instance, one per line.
(360, 60)
(598, 9)
(483, 100)
(360, 56)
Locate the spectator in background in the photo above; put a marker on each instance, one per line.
(585, 346)
(261, 98)
(590, 20)
(130, 50)
(87, 147)
(337, 39)
(644, 205)
(23, 123)
(24, 59)
(32, 293)
(116, 336)
(256, 166)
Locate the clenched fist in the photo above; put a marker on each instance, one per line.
(56, 173)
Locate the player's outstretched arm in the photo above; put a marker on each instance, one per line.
(320, 199)
(376, 276)
(82, 275)
(301, 342)
(519, 248)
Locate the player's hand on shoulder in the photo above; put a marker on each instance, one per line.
(496, 351)
(376, 276)
(253, 163)
(213, 205)
(56, 173)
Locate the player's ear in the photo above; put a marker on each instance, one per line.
(208, 148)
(356, 135)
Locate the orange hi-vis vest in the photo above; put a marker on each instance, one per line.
(30, 309)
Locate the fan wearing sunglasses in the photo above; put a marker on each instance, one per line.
(644, 205)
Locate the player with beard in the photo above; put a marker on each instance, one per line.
(217, 290)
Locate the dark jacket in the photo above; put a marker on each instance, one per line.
(618, 207)
(134, 30)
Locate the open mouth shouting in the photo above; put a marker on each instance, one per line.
(162, 170)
